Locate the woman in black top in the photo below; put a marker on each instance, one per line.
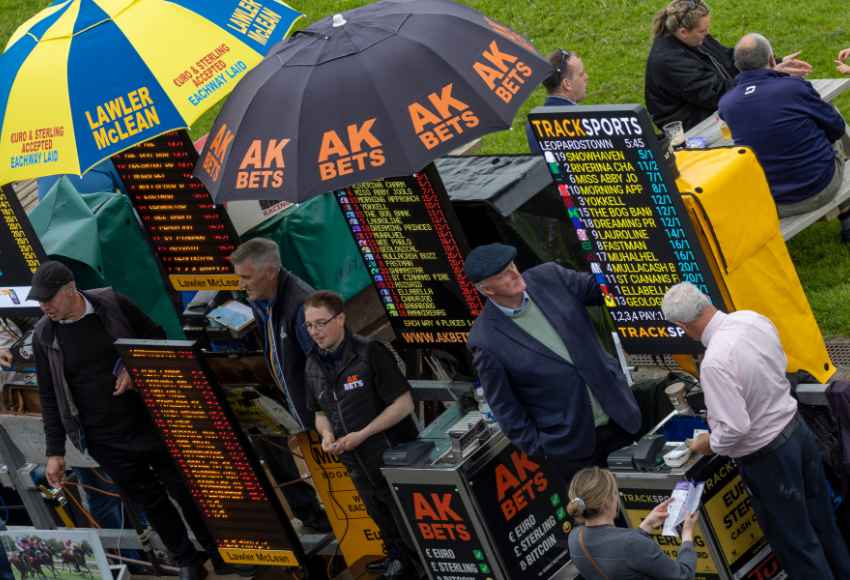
(602, 551)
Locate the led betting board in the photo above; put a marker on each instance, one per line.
(628, 215)
(191, 236)
(414, 249)
(20, 255)
(219, 467)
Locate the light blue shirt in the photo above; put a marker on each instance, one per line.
(513, 312)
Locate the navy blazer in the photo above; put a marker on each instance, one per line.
(540, 403)
(551, 101)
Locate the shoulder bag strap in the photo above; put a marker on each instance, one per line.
(587, 554)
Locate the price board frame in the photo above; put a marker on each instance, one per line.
(633, 227)
(210, 408)
(513, 493)
(190, 235)
(444, 532)
(398, 270)
(731, 519)
(21, 253)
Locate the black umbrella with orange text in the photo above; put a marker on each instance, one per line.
(375, 92)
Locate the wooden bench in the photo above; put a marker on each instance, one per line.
(793, 225)
(829, 89)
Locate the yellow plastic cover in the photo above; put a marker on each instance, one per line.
(727, 196)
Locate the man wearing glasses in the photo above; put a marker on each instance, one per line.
(567, 85)
(362, 404)
(276, 296)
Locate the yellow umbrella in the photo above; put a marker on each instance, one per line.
(84, 79)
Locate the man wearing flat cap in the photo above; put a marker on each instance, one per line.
(553, 389)
(86, 394)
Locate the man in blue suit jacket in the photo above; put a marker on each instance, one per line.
(553, 389)
(566, 86)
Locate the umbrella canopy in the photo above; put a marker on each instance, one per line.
(85, 79)
(375, 92)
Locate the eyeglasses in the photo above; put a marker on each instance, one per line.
(555, 78)
(566, 55)
(320, 324)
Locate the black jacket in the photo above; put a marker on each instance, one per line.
(288, 319)
(352, 387)
(121, 319)
(684, 83)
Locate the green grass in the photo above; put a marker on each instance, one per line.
(613, 38)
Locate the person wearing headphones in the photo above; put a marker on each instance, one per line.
(602, 551)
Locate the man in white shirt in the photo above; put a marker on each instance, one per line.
(754, 419)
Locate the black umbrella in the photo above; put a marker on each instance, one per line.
(375, 92)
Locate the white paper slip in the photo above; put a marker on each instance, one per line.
(685, 499)
(233, 314)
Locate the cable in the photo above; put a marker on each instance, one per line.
(91, 488)
(5, 507)
(308, 478)
(294, 481)
(267, 439)
(341, 539)
(122, 527)
(86, 514)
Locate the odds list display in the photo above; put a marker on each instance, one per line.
(192, 237)
(217, 463)
(413, 249)
(20, 255)
(628, 215)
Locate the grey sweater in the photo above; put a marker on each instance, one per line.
(629, 554)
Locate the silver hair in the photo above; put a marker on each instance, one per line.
(684, 302)
(259, 251)
(753, 52)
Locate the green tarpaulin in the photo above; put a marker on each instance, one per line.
(100, 239)
(316, 245)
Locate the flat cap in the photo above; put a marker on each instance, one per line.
(488, 260)
(48, 279)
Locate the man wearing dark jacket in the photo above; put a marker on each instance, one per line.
(687, 70)
(362, 406)
(276, 297)
(86, 394)
(566, 86)
(553, 389)
(790, 128)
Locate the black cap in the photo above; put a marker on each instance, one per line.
(488, 260)
(48, 279)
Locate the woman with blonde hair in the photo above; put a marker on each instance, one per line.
(687, 70)
(602, 551)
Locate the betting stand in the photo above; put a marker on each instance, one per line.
(224, 477)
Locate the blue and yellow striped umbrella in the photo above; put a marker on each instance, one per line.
(85, 79)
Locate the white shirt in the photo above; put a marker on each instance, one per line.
(743, 376)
